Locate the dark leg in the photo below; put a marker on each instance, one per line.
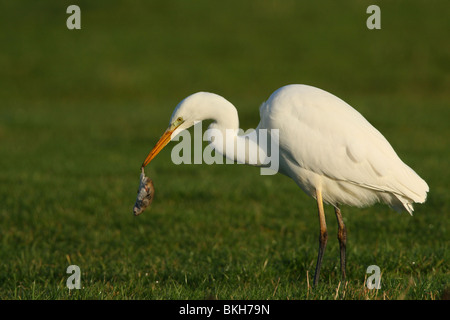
(342, 236)
(323, 236)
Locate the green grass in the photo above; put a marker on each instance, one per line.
(79, 111)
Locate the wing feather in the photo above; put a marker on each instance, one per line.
(327, 136)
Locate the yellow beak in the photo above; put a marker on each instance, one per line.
(162, 142)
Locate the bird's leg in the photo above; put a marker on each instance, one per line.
(342, 236)
(323, 237)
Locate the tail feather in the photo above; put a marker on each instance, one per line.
(407, 201)
(407, 204)
(411, 188)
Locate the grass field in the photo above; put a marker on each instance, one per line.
(80, 110)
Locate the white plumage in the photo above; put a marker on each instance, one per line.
(326, 144)
(328, 148)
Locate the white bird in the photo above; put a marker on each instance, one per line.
(328, 148)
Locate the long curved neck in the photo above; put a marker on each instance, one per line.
(225, 136)
(220, 110)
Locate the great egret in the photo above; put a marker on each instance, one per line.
(328, 148)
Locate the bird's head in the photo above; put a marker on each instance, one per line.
(185, 115)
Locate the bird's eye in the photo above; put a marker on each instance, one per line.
(180, 119)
